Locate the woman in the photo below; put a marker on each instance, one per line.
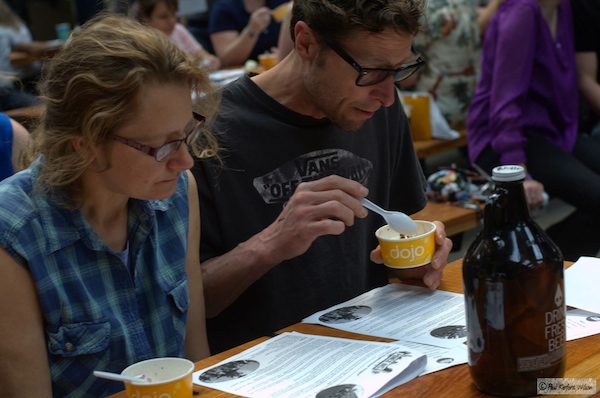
(161, 14)
(99, 236)
(243, 29)
(525, 112)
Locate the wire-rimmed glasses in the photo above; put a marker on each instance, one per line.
(165, 151)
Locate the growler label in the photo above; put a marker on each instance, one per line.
(554, 335)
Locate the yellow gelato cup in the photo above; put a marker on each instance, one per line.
(169, 378)
(407, 251)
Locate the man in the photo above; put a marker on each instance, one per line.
(283, 233)
(586, 16)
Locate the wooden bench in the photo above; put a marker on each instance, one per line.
(456, 219)
(434, 146)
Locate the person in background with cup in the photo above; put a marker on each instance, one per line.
(100, 234)
(284, 233)
(161, 14)
(242, 29)
(15, 36)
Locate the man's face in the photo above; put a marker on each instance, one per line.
(331, 81)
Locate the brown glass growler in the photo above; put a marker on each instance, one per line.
(513, 278)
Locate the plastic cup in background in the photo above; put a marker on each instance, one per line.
(169, 377)
(407, 251)
(420, 116)
(63, 30)
(267, 60)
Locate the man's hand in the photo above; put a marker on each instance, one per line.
(432, 272)
(323, 207)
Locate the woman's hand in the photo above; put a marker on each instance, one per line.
(534, 192)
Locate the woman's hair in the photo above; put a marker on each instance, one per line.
(94, 86)
(8, 17)
(145, 8)
(338, 18)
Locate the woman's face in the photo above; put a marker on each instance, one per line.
(164, 113)
(162, 18)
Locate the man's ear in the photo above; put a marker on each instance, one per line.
(307, 46)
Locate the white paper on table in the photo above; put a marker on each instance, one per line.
(582, 323)
(438, 358)
(225, 76)
(401, 312)
(581, 284)
(302, 365)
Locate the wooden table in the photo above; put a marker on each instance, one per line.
(583, 358)
(36, 51)
(434, 146)
(456, 219)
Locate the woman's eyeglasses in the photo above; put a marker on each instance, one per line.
(164, 152)
(371, 76)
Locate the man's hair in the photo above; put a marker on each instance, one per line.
(337, 18)
(95, 85)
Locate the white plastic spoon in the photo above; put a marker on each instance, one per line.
(397, 220)
(120, 377)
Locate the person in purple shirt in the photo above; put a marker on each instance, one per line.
(525, 112)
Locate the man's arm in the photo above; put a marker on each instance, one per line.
(587, 69)
(323, 207)
(24, 368)
(196, 340)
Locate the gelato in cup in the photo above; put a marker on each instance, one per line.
(168, 378)
(407, 251)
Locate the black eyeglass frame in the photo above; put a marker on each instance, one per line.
(362, 72)
(173, 146)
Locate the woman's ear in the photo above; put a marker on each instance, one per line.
(84, 150)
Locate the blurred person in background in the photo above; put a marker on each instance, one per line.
(243, 29)
(161, 14)
(586, 21)
(525, 112)
(450, 44)
(15, 36)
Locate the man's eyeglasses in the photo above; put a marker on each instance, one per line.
(164, 152)
(371, 76)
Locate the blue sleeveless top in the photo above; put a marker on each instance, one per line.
(6, 140)
(100, 314)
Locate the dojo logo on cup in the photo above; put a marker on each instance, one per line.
(407, 251)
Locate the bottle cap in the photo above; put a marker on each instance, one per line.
(508, 173)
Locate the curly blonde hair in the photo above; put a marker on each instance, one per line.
(93, 86)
